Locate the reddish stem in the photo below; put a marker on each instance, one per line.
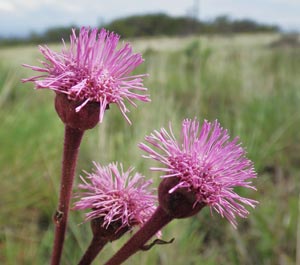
(94, 248)
(157, 221)
(71, 147)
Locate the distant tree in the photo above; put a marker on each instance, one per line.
(57, 33)
(162, 24)
(222, 24)
(247, 25)
(153, 25)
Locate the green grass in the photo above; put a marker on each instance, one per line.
(252, 89)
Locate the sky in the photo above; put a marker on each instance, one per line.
(21, 17)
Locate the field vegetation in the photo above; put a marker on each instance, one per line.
(245, 81)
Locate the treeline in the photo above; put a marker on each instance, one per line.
(161, 24)
(49, 36)
(154, 25)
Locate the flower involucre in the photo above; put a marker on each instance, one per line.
(93, 69)
(115, 195)
(205, 162)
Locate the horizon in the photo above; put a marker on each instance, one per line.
(45, 14)
(73, 25)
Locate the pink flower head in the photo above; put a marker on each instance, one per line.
(205, 162)
(115, 195)
(93, 70)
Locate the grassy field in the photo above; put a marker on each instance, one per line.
(250, 87)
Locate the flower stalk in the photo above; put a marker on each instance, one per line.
(158, 220)
(101, 236)
(96, 245)
(88, 76)
(72, 142)
(172, 205)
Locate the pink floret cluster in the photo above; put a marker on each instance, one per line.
(206, 162)
(114, 195)
(93, 69)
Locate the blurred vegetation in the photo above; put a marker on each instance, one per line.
(153, 25)
(161, 24)
(250, 86)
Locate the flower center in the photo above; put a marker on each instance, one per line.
(196, 175)
(96, 90)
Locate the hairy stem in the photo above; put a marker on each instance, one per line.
(157, 221)
(71, 147)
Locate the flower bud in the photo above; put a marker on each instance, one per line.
(180, 203)
(111, 232)
(86, 118)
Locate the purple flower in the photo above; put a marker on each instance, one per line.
(206, 162)
(93, 70)
(115, 195)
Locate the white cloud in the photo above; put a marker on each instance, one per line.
(6, 7)
(27, 5)
(286, 2)
(37, 5)
(71, 8)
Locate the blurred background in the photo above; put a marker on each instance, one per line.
(235, 61)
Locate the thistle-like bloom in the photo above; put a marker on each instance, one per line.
(116, 196)
(205, 162)
(93, 69)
